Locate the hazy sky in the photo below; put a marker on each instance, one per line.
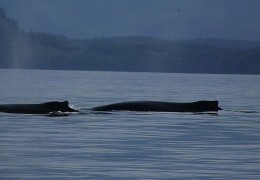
(172, 19)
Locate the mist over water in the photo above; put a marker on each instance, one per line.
(21, 53)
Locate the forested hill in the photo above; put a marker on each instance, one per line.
(34, 50)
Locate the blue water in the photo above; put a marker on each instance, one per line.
(130, 145)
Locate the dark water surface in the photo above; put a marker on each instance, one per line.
(130, 145)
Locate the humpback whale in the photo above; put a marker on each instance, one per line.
(44, 108)
(158, 106)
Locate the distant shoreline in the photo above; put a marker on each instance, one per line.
(35, 50)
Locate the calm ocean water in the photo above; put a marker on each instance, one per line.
(130, 145)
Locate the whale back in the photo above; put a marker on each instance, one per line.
(202, 106)
(55, 106)
(199, 106)
(44, 108)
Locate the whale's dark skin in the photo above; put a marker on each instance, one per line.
(44, 108)
(157, 106)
